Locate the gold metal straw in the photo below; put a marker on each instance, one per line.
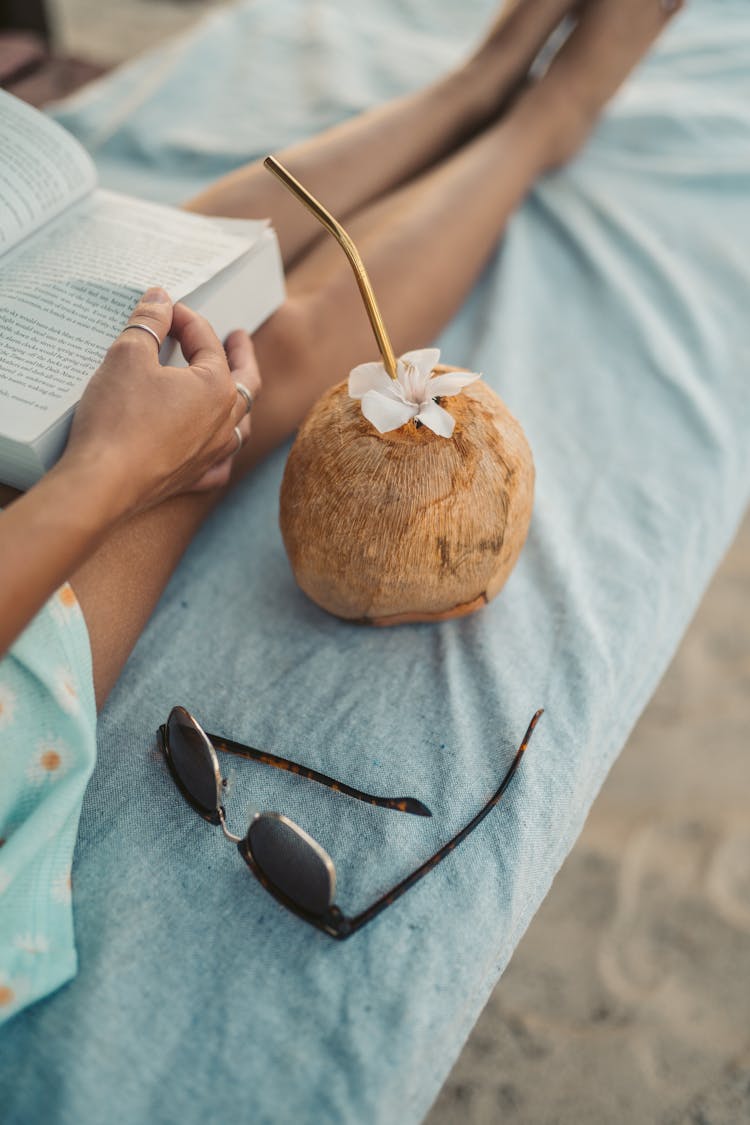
(351, 252)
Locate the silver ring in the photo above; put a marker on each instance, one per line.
(242, 390)
(240, 440)
(144, 328)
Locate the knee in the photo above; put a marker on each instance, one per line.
(284, 344)
(295, 357)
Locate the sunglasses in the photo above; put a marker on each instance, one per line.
(289, 863)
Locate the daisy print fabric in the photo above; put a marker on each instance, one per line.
(47, 753)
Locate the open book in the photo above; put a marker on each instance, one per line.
(73, 261)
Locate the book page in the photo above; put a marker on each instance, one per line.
(68, 291)
(43, 170)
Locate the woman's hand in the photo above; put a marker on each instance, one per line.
(159, 431)
(141, 433)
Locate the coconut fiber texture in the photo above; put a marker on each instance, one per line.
(614, 323)
(406, 526)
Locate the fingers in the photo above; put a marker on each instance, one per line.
(242, 362)
(244, 427)
(153, 311)
(244, 368)
(220, 472)
(201, 348)
(200, 344)
(216, 477)
(240, 355)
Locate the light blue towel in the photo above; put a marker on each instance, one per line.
(614, 322)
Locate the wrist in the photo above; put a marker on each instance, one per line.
(96, 491)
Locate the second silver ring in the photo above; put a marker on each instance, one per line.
(245, 393)
(240, 440)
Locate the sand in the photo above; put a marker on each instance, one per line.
(628, 999)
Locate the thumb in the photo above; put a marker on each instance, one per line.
(154, 310)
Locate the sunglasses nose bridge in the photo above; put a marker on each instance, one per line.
(223, 824)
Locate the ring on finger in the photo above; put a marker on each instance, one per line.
(240, 440)
(144, 328)
(245, 393)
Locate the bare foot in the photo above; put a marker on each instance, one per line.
(610, 39)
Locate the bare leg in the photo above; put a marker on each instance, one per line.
(420, 277)
(366, 157)
(421, 280)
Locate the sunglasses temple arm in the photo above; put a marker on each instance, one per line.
(366, 916)
(400, 804)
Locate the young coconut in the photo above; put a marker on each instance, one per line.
(407, 494)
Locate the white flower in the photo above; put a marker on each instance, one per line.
(63, 604)
(66, 690)
(12, 993)
(52, 759)
(7, 705)
(32, 943)
(389, 403)
(62, 887)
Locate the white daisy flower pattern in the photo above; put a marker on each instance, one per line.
(66, 692)
(62, 887)
(50, 762)
(7, 705)
(32, 943)
(63, 604)
(390, 403)
(46, 751)
(12, 992)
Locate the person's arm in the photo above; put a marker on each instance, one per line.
(44, 538)
(142, 433)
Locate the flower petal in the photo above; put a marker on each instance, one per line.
(424, 359)
(410, 384)
(369, 377)
(386, 413)
(438, 420)
(451, 383)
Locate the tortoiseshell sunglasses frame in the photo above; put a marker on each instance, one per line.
(333, 922)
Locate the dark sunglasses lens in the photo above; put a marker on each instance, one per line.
(191, 759)
(291, 863)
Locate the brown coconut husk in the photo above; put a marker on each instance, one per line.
(406, 526)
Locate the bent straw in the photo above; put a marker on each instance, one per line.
(346, 244)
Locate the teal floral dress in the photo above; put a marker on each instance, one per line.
(47, 754)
